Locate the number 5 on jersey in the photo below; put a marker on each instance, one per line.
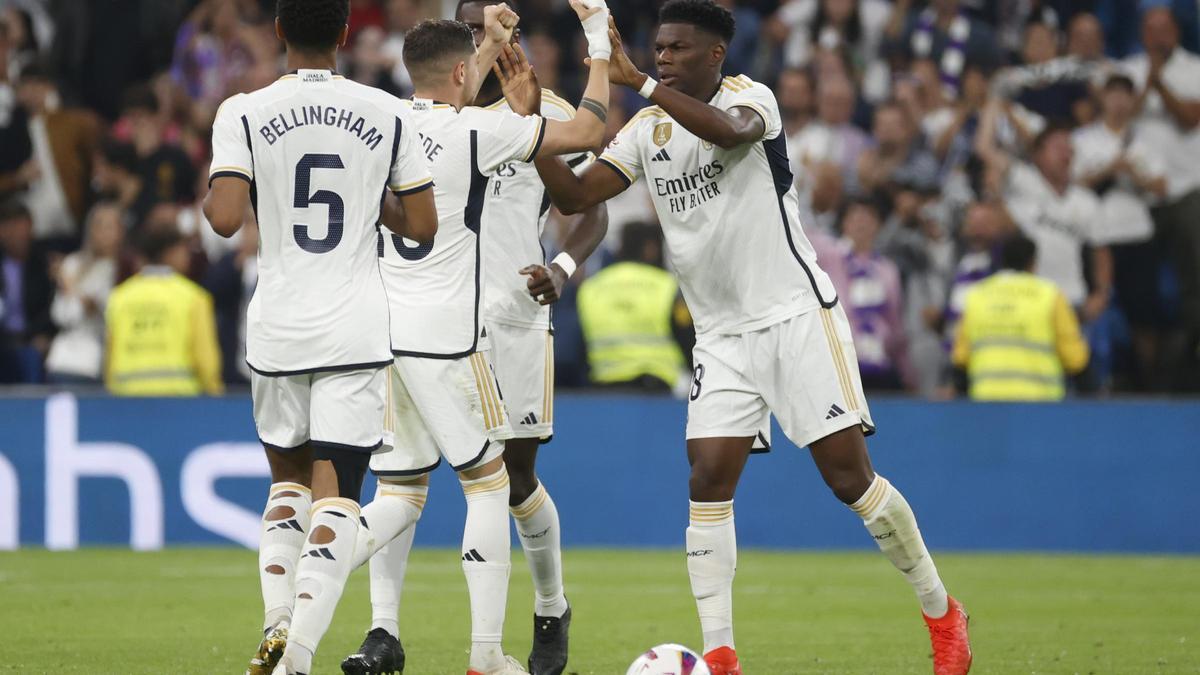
(337, 208)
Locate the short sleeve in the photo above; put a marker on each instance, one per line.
(747, 93)
(410, 170)
(231, 142)
(624, 154)
(556, 108)
(508, 137)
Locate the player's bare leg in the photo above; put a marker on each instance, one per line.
(538, 526)
(284, 526)
(717, 465)
(845, 466)
(389, 524)
(326, 562)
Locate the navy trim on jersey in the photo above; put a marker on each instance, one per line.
(253, 183)
(375, 365)
(473, 219)
(410, 472)
(766, 448)
(574, 163)
(777, 159)
(280, 448)
(620, 173)
(330, 445)
(229, 174)
(473, 462)
(413, 191)
(541, 136)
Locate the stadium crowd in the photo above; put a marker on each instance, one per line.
(922, 135)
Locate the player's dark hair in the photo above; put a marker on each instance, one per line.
(312, 25)
(512, 4)
(703, 14)
(429, 47)
(1018, 253)
(14, 209)
(1119, 81)
(156, 241)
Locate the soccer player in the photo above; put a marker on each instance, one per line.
(771, 335)
(444, 403)
(312, 154)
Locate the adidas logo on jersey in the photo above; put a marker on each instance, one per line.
(834, 411)
(530, 420)
(662, 156)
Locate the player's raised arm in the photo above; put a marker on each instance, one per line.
(724, 128)
(499, 22)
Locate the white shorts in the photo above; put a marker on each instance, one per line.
(803, 370)
(524, 361)
(441, 409)
(340, 410)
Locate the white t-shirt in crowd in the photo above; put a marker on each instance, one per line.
(1124, 216)
(1179, 148)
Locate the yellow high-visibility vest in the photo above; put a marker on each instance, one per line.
(161, 337)
(1018, 336)
(625, 311)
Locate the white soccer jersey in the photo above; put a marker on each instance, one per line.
(514, 215)
(731, 218)
(435, 290)
(318, 150)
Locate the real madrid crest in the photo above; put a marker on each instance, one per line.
(707, 145)
(662, 133)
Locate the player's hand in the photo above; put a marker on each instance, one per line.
(518, 81)
(621, 70)
(545, 283)
(499, 22)
(586, 11)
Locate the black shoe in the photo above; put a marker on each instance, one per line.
(549, 655)
(380, 654)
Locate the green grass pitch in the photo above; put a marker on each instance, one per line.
(198, 611)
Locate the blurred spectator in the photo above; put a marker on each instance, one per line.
(631, 313)
(898, 156)
(379, 53)
(1059, 215)
(116, 177)
(26, 292)
(85, 280)
(832, 137)
(1047, 85)
(944, 33)
(951, 130)
(984, 228)
(873, 301)
(166, 172)
(65, 141)
(231, 281)
(212, 49)
(1018, 334)
(17, 166)
(857, 26)
(162, 339)
(1169, 125)
(743, 49)
(797, 100)
(1112, 160)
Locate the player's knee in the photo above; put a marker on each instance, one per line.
(849, 486)
(350, 467)
(709, 484)
(522, 485)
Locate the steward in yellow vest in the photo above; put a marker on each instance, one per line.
(162, 338)
(1018, 336)
(628, 314)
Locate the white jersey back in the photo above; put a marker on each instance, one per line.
(731, 218)
(435, 290)
(515, 214)
(318, 151)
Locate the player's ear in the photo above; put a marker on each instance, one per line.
(344, 36)
(460, 73)
(717, 55)
(279, 31)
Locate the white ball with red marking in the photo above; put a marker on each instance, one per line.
(669, 660)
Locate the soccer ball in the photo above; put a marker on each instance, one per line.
(669, 660)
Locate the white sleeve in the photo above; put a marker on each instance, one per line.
(507, 137)
(410, 171)
(757, 97)
(231, 155)
(624, 154)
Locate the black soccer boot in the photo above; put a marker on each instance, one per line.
(380, 654)
(549, 655)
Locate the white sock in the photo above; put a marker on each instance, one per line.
(891, 522)
(537, 525)
(321, 576)
(280, 541)
(394, 509)
(486, 563)
(711, 563)
(387, 579)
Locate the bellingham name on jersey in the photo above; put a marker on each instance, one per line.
(303, 116)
